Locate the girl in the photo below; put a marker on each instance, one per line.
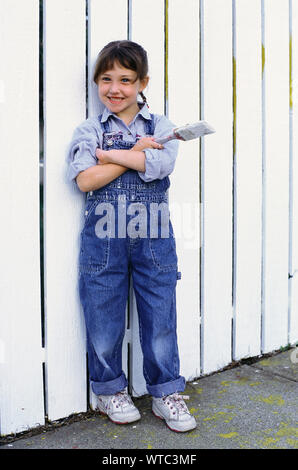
(116, 161)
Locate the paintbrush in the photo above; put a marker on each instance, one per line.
(188, 132)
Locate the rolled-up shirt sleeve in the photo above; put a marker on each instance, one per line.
(160, 163)
(81, 152)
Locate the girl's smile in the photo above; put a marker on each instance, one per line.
(118, 89)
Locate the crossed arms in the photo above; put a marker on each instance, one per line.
(113, 163)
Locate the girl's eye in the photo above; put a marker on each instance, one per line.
(123, 80)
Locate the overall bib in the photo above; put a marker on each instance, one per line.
(117, 241)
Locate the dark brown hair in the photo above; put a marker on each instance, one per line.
(128, 54)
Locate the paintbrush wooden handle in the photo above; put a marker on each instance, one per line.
(163, 140)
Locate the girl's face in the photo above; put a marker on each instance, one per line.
(118, 90)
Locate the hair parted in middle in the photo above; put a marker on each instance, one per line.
(128, 54)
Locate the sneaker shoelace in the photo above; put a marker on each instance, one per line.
(121, 398)
(177, 401)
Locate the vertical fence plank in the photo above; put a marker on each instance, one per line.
(147, 28)
(293, 330)
(21, 395)
(65, 108)
(184, 195)
(276, 183)
(107, 22)
(141, 32)
(217, 184)
(248, 179)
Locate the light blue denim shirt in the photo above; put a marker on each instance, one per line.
(88, 136)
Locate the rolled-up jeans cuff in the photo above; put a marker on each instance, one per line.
(111, 387)
(161, 390)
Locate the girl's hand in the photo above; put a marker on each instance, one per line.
(102, 156)
(146, 143)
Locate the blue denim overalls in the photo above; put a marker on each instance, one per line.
(108, 258)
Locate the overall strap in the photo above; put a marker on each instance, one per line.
(150, 125)
(105, 125)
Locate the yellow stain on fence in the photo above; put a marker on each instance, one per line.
(263, 59)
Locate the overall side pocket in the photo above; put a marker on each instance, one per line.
(94, 251)
(163, 252)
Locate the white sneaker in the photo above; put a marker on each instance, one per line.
(174, 411)
(119, 407)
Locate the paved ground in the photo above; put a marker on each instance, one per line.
(247, 407)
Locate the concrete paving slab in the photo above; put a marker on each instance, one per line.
(246, 407)
(284, 364)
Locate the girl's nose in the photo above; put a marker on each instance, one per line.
(114, 88)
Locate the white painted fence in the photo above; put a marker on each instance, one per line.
(234, 196)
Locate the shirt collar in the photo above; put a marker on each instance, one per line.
(144, 112)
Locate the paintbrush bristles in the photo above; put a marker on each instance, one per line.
(188, 132)
(193, 131)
